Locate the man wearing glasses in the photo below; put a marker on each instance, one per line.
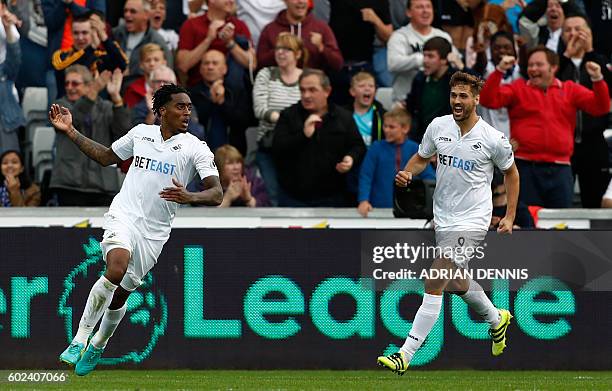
(75, 180)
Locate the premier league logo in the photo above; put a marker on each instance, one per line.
(144, 323)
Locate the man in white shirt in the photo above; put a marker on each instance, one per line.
(467, 149)
(139, 219)
(405, 47)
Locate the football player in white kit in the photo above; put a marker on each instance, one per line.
(467, 150)
(139, 219)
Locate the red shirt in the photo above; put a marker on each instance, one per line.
(194, 31)
(135, 92)
(543, 122)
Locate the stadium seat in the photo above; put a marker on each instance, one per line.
(383, 95)
(251, 141)
(42, 151)
(34, 102)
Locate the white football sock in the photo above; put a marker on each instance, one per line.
(110, 321)
(98, 301)
(424, 321)
(478, 300)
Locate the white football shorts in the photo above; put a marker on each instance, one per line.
(463, 245)
(143, 252)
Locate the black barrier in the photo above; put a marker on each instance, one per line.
(277, 298)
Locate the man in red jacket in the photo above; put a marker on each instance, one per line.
(217, 29)
(542, 113)
(318, 38)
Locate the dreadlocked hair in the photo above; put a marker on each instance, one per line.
(164, 95)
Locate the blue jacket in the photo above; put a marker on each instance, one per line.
(378, 171)
(11, 115)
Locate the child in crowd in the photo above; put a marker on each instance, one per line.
(367, 112)
(151, 57)
(16, 188)
(157, 18)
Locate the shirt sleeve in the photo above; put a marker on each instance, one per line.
(124, 147)
(204, 161)
(503, 157)
(427, 148)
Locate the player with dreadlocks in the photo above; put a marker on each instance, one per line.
(138, 222)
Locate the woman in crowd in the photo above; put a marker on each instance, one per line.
(275, 89)
(16, 188)
(241, 187)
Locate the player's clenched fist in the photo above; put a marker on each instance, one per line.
(403, 178)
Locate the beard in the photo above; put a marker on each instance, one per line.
(465, 113)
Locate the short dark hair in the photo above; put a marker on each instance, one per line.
(502, 34)
(578, 15)
(409, 4)
(164, 95)
(461, 78)
(323, 78)
(82, 18)
(552, 57)
(439, 45)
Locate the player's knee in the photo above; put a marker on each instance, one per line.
(434, 287)
(115, 272)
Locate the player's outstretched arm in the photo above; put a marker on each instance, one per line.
(512, 184)
(61, 119)
(415, 166)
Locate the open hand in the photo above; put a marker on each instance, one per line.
(245, 193)
(213, 28)
(12, 183)
(61, 118)
(8, 18)
(226, 34)
(178, 193)
(233, 191)
(113, 86)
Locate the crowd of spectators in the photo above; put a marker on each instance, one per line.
(284, 91)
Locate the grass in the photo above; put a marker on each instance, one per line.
(322, 380)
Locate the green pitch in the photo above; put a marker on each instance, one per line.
(325, 380)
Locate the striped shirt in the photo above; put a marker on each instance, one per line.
(270, 94)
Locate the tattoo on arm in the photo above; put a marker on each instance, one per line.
(212, 194)
(94, 150)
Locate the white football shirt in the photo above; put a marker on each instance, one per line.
(463, 199)
(155, 163)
